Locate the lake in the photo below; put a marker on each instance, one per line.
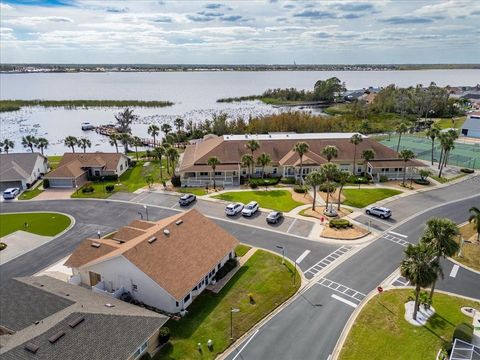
(194, 95)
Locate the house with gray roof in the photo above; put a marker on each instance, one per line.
(471, 126)
(45, 318)
(21, 169)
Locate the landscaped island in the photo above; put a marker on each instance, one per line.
(13, 105)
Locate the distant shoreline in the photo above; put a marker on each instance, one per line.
(14, 105)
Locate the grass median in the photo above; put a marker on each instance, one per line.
(360, 198)
(46, 224)
(280, 200)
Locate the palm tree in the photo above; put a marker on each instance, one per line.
(433, 133)
(405, 155)
(248, 162)
(329, 171)
(1, 146)
(153, 130)
(84, 143)
(167, 146)
(401, 128)
(440, 236)
(417, 268)
(135, 141)
(341, 178)
(367, 155)
(159, 152)
(114, 141)
(7, 145)
(125, 139)
(71, 141)
(330, 152)
(447, 145)
(166, 128)
(179, 124)
(301, 148)
(28, 142)
(172, 156)
(125, 120)
(314, 179)
(213, 162)
(252, 145)
(355, 140)
(264, 160)
(475, 219)
(41, 144)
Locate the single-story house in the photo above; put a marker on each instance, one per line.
(195, 171)
(471, 126)
(21, 169)
(164, 264)
(43, 318)
(75, 169)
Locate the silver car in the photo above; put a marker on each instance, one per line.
(11, 193)
(382, 212)
(250, 209)
(233, 209)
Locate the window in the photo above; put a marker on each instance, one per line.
(218, 173)
(176, 303)
(186, 298)
(121, 167)
(140, 350)
(244, 171)
(204, 174)
(97, 173)
(275, 170)
(134, 287)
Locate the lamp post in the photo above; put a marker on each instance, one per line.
(232, 310)
(283, 253)
(141, 215)
(103, 183)
(146, 210)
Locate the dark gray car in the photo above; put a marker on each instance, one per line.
(274, 217)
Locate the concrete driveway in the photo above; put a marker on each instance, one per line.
(19, 243)
(55, 194)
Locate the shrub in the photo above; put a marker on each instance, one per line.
(383, 178)
(146, 356)
(87, 189)
(225, 269)
(110, 187)
(250, 297)
(467, 171)
(2, 246)
(253, 185)
(289, 180)
(463, 332)
(176, 181)
(133, 163)
(421, 181)
(46, 183)
(340, 223)
(164, 335)
(299, 189)
(358, 179)
(266, 181)
(105, 178)
(330, 187)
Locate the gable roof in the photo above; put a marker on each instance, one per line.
(76, 164)
(18, 166)
(176, 261)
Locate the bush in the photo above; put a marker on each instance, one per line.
(253, 185)
(340, 223)
(383, 178)
(289, 180)
(299, 189)
(266, 181)
(46, 183)
(110, 188)
(463, 332)
(133, 163)
(330, 187)
(421, 181)
(225, 269)
(164, 335)
(146, 356)
(87, 189)
(2, 246)
(176, 181)
(467, 171)
(105, 178)
(358, 179)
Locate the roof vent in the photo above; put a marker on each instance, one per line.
(76, 321)
(166, 232)
(109, 305)
(31, 347)
(152, 239)
(96, 245)
(54, 338)
(178, 222)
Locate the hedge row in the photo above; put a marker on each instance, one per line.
(340, 223)
(225, 269)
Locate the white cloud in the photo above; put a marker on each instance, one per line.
(33, 21)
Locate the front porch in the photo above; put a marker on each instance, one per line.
(206, 178)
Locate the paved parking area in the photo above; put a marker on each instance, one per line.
(19, 243)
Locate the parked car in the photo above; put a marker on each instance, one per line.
(250, 209)
(274, 217)
(187, 199)
(233, 209)
(11, 193)
(382, 212)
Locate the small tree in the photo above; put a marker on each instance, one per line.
(7, 145)
(301, 148)
(248, 162)
(166, 129)
(125, 119)
(84, 143)
(475, 219)
(113, 140)
(125, 139)
(329, 172)
(28, 142)
(433, 133)
(213, 162)
(41, 144)
(355, 140)
(264, 160)
(424, 174)
(406, 155)
(135, 141)
(159, 152)
(172, 156)
(149, 180)
(71, 141)
(401, 128)
(367, 155)
(342, 179)
(313, 180)
(330, 152)
(153, 130)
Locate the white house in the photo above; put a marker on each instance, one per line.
(21, 169)
(164, 264)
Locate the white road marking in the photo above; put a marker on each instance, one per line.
(345, 301)
(329, 357)
(291, 225)
(327, 260)
(395, 239)
(454, 271)
(173, 206)
(243, 347)
(401, 235)
(303, 256)
(345, 290)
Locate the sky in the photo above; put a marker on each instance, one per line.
(240, 32)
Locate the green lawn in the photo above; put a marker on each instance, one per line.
(263, 275)
(242, 249)
(447, 123)
(54, 160)
(280, 200)
(360, 198)
(47, 224)
(30, 194)
(443, 180)
(381, 332)
(189, 190)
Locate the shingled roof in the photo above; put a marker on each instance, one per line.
(17, 166)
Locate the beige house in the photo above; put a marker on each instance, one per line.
(164, 264)
(195, 171)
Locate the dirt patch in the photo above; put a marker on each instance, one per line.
(333, 196)
(398, 185)
(318, 213)
(303, 198)
(352, 233)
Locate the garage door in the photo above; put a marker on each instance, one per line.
(9, 184)
(61, 183)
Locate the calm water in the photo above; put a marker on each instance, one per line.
(194, 94)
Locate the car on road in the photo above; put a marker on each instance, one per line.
(233, 209)
(274, 217)
(11, 193)
(187, 199)
(250, 209)
(382, 212)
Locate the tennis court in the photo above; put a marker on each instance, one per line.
(464, 155)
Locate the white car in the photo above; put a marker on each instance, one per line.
(382, 212)
(250, 209)
(233, 209)
(11, 193)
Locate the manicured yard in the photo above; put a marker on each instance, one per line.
(444, 180)
(280, 200)
(270, 284)
(54, 160)
(242, 249)
(360, 198)
(470, 250)
(189, 190)
(30, 194)
(381, 332)
(47, 224)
